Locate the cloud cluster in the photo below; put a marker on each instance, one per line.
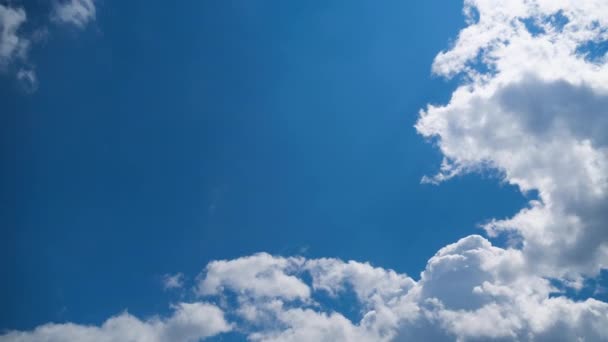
(15, 41)
(533, 105)
(74, 12)
(469, 291)
(12, 45)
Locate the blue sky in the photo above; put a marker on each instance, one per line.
(160, 137)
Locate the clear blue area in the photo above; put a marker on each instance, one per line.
(557, 21)
(169, 134)
(594, 50)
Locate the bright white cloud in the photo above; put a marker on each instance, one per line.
(12, 44)
(470, 290)
(190, 322)
(535, 107)
(74, 12)
(371, 285)
(260, 275)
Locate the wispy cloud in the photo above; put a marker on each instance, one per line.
(74, 12)
(15, 43)
(173, 281)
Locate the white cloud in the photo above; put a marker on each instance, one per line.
(259, 275)
(537, 111)
(371, 285)
(12, 44)
(75, 12)
(190, 322)
(470, 290)
(310, 325)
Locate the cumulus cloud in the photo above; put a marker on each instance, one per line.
(75, 12)
(190, 322)
(260, 275)
(534, 107)
(469, 291)
(12, 44)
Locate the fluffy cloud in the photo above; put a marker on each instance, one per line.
(534, 106)
(12, 44)
(469, 291)
(260, 275)
(190, 322)
(74, 12)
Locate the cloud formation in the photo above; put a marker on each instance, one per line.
(535, 108)
(532, 105)
(190, 322)
(469, 291)
(12, 44)
(74, 12)
(15, 43)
